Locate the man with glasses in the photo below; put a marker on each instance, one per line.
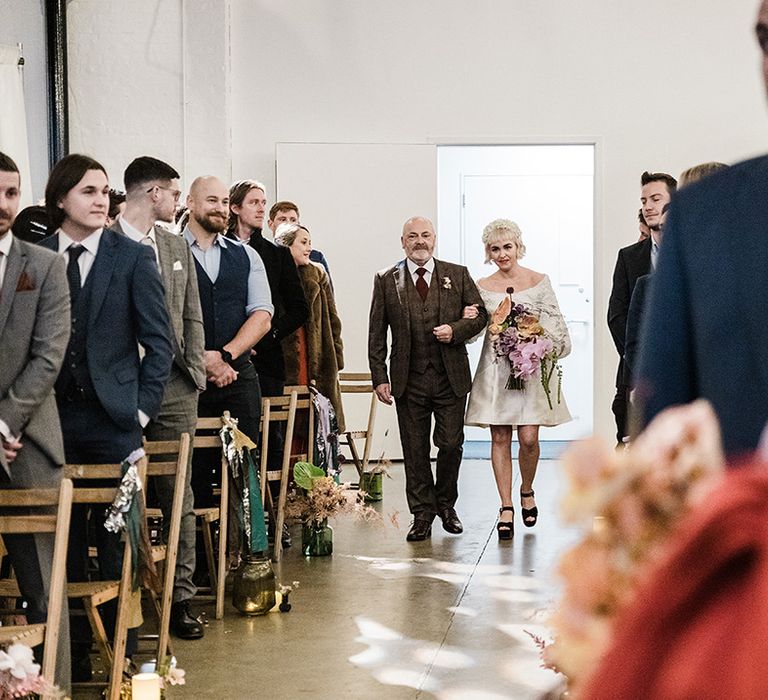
(152, 194)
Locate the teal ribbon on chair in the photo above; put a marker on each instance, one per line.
(246, 485)
(126, 513)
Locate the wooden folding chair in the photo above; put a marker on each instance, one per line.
(95, 593)
(207, 436)
(281, 409)
(168, 458)
(40, 522)
(359, 383)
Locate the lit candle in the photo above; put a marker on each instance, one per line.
(145, 686)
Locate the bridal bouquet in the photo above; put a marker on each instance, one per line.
(519, 337)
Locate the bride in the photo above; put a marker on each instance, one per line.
(491, 403)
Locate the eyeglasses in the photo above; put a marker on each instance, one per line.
(176, 193)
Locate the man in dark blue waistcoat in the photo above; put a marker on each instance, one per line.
(237, 313)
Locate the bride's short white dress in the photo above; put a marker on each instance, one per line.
(490, 402)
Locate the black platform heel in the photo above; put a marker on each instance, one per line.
(530, 515)
(505, 529)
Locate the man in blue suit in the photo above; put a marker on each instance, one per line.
(707, 328)
(118, 358)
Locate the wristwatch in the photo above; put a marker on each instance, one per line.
(226, 356)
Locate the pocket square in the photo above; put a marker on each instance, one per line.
(177, 266)
(25, 284)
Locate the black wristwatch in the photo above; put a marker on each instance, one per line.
(226, 356)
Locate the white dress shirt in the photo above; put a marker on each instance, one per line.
(5, 251)
(147, 239)
(429, 266)
(85, 261)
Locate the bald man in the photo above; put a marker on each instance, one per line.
(421, 300)
(237, 313)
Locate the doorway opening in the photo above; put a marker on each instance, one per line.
(549, 191)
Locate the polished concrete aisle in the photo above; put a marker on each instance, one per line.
(384, 618)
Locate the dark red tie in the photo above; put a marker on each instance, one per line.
(421, 284)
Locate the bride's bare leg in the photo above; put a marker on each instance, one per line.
(528, 437)
(501, 459)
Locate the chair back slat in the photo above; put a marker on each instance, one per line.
(92, 471)
(162, 447)
(355, 377)
(20, 498)
(208, 424)
(27, 523)
(356, 388)
(94, 495)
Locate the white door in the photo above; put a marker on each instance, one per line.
(354, 199)
(548, 191)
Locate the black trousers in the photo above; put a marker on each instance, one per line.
(620, 408)
(242, 399)
(427, 395)
(92, 437)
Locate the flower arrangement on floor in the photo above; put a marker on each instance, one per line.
(519, 337)
(20, 675)
(629, 504)
(319, 497)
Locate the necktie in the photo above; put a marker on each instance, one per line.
(421, 284)
(73, 271)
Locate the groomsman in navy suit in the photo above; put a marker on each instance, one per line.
(707, 328)
(108, 389)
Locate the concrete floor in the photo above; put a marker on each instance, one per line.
(384, 618)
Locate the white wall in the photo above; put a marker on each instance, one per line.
(659, 85)
(23, 21)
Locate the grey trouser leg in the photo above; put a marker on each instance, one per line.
(178, 415)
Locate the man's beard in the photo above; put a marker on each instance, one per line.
(211, 222)
(5, 221)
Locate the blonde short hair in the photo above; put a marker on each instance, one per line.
(503, 230)
(285, 234)
(699, 172)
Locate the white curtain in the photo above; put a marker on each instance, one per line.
(13, 120)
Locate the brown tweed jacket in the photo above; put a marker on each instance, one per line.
(389, 310)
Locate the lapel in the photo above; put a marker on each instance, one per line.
(165, 253)
(102, 269)
(437, 277)
(400, 275)
(14, 266)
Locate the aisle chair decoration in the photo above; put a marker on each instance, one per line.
(319, 497)
(253, 589)
(326, 435)
(629, 505)
(20, 676)
(127, 514)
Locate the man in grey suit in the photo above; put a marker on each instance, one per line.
(34, 331)
(421, 300)
(152, 194)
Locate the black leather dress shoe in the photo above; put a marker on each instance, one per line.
(420, 530)
(183, 625)
(451, 522)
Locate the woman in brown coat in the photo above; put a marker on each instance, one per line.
(314, 352)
